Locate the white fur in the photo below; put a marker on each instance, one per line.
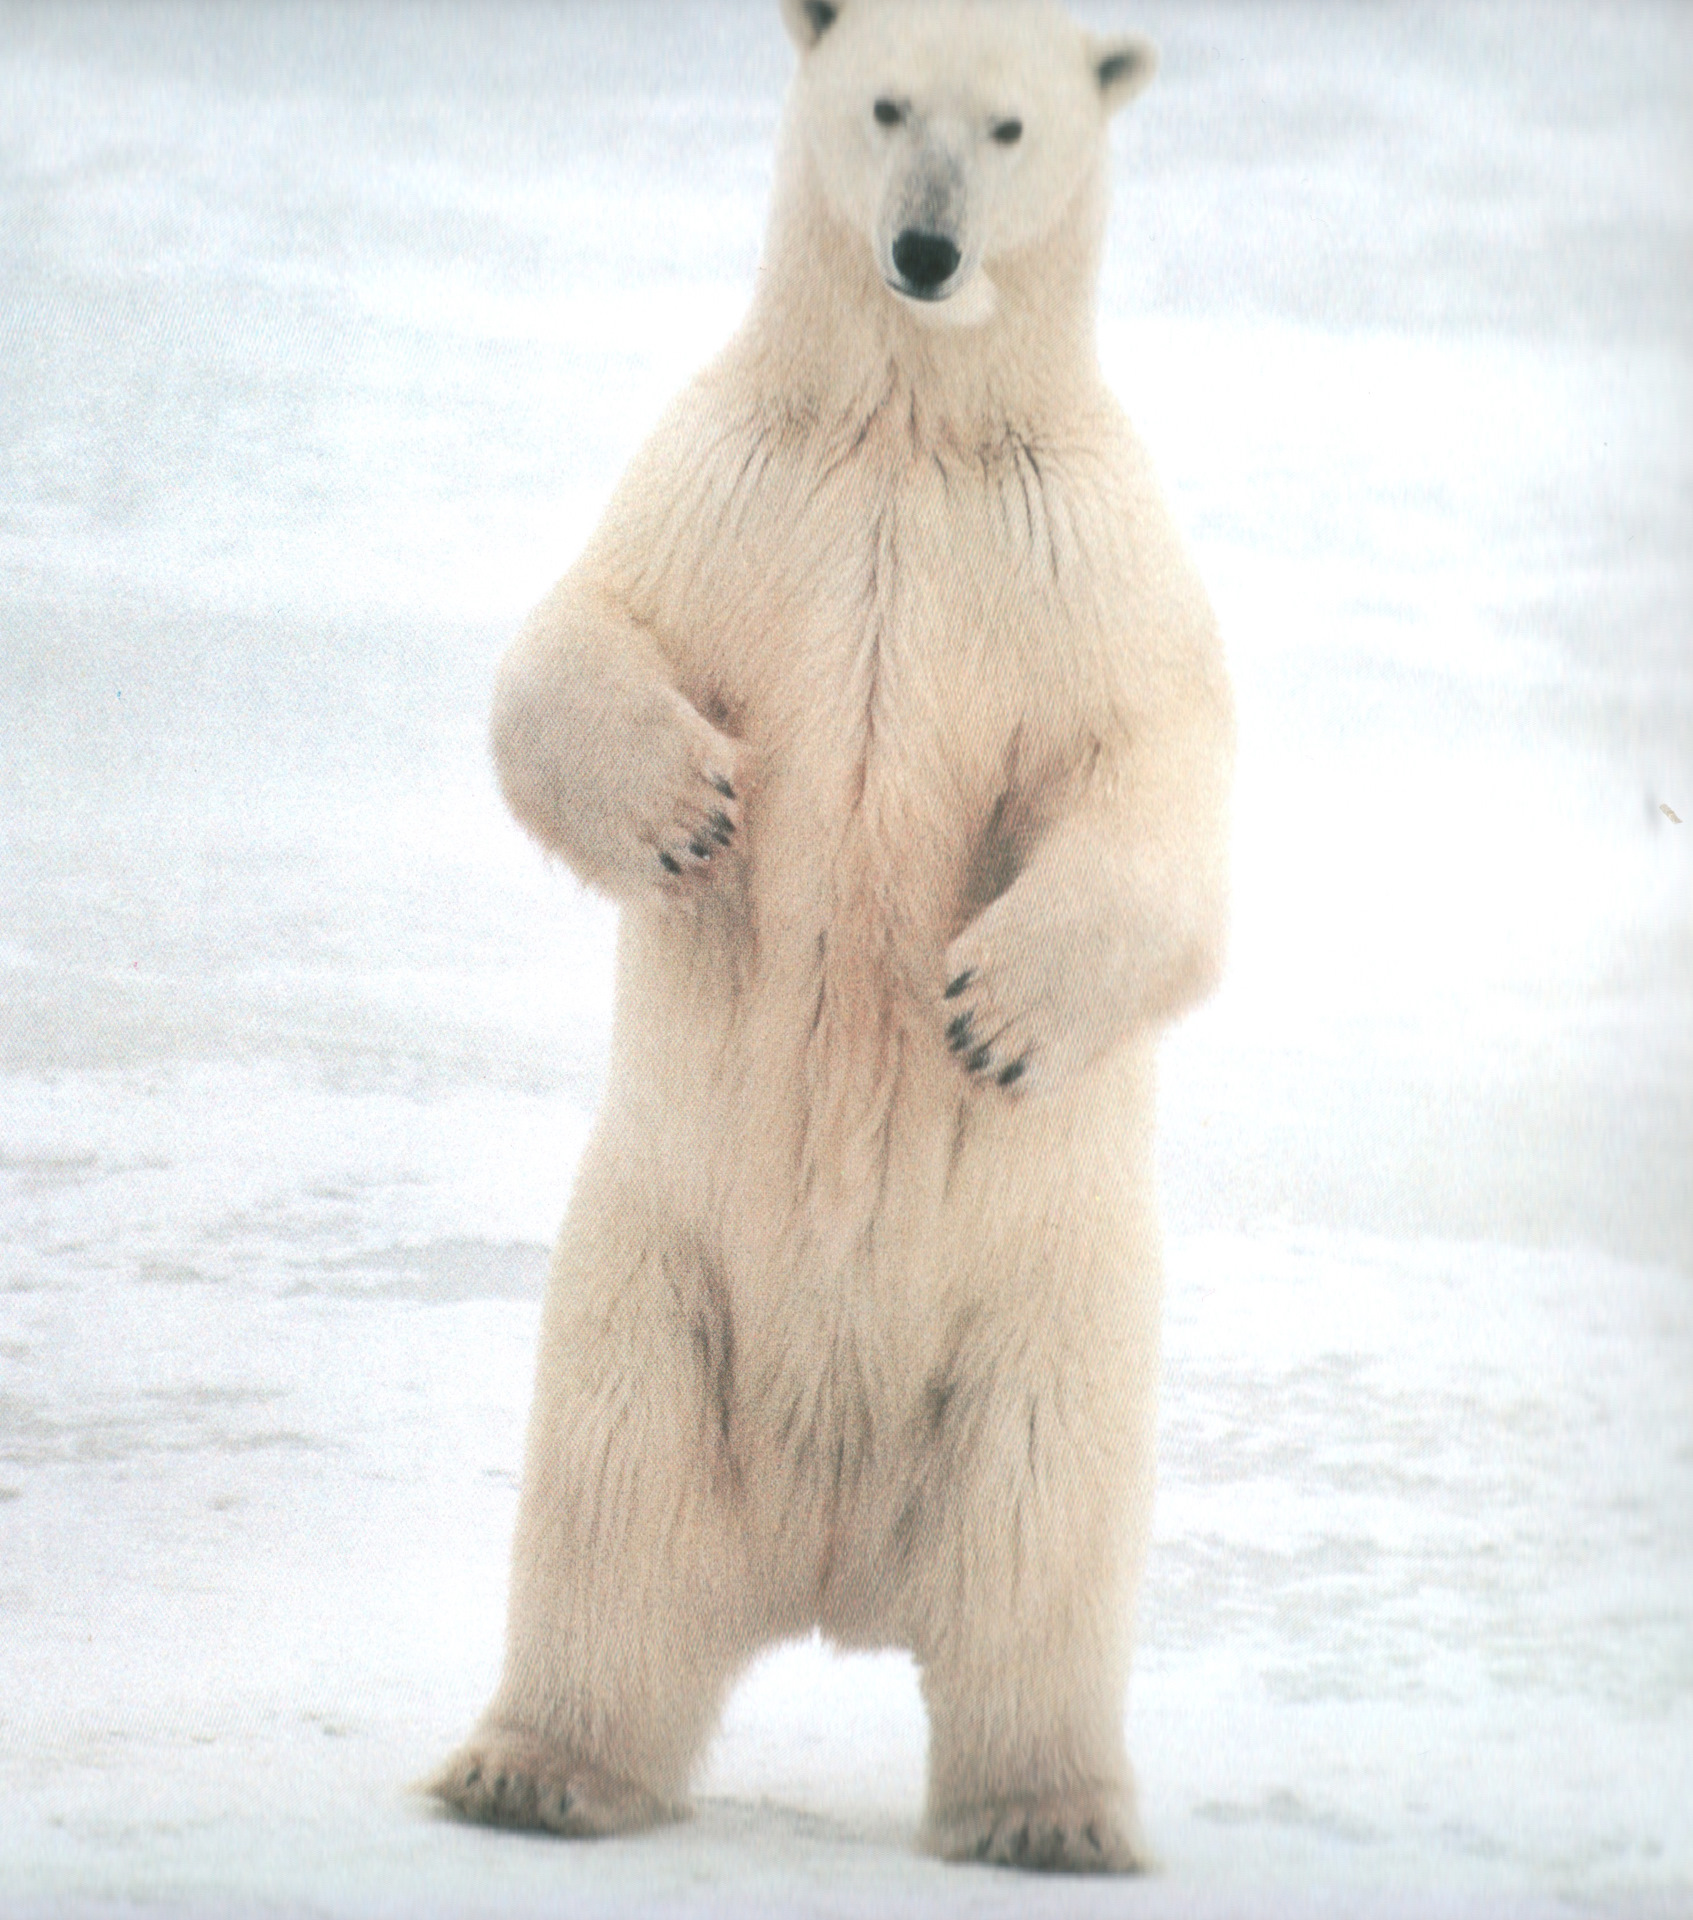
(840, 1333)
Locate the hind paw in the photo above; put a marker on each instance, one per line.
(503, 1779)
(1066, 1833)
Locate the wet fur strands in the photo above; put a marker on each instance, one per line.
(887, 705)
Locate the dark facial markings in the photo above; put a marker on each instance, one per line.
(889, 112)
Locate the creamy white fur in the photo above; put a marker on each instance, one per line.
(840, 1332)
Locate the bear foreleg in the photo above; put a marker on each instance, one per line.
(603, 760)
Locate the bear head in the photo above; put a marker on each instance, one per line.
(950, 134)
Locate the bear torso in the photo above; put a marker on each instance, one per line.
(910, 635)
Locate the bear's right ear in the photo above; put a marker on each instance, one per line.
(808, 20)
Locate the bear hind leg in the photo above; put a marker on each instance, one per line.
(1022, 1553)
(630, 1608)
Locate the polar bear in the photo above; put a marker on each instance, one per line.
(886, 703)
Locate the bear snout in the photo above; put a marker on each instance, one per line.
(925, 261)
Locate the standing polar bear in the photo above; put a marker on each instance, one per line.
(887, 705)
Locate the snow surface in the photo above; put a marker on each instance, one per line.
(323, 333)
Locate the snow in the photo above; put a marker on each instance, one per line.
(325, 332)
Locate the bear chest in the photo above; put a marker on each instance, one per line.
(878, 754)
(916, 672)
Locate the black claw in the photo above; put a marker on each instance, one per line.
(669, 865)
(958, 1031)
(1008, 1076)
(722, 786)
(699, 849)
(958, 985)
(979, 1059)
(723, 828)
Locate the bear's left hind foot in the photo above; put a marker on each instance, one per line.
(505, 1779)
(1063, 1833)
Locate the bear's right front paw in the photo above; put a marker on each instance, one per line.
(690, 811)
(503, 1779)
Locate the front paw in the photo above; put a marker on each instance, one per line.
(505, 1778)
(689, 812)
(1007, 1007)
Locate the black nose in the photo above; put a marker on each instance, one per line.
(925, 261)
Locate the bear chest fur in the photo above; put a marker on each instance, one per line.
(905, 634)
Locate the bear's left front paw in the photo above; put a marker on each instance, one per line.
(1063, 1833)
(1006, 1006)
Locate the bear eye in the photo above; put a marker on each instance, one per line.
(889, 113)
(1008, 132)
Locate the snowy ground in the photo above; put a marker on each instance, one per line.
(322, 334)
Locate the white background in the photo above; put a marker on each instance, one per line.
(324, 333)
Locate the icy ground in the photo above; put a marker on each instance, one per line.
(322, 335)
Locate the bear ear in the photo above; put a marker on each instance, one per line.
(808, 20)
(1122, 66)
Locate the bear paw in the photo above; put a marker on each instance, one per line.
(1071, 1833)
(504, 1779)
(687, 810)
(1003, 1010)
(1030, 999)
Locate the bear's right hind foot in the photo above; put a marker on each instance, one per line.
(514, 1780)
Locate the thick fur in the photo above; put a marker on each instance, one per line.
(887, 704)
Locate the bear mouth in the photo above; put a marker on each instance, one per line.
(968, 299)
(929, 296)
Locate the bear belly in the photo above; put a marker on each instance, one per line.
(848, 1080)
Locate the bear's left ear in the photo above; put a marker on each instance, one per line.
(808, 20)
(1122, 66)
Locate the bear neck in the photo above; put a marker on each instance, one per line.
(830, 342)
